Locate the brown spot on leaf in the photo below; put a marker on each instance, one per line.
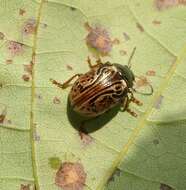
(56, 100)
(9, 61)
(25, 187)
(116, 41)
(140, 27)
(26, 77)
(151, 73)
(22, 12)
(70, 176)
(2, 36)
(29, 27)
(99, 39)
(156, 22)
(126, 36)
(3, 115)
(116, 173)
(165, 187)
(15, 48)
(69, 67)
(164, 4)
(123, 52)
(85, 138)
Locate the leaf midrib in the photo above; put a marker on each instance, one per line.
(32, 126)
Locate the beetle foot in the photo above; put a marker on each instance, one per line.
(134, 114)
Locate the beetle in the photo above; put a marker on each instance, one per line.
(103, 87)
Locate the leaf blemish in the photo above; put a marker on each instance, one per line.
(123, 52)
(159, 101)
(156, 22)
(99, 39)
(155, 141)
(29, 27)
(151, 73)
(140, 27)
(165, 187)
(126, 36)
(54, 162)
(26, 77)
(69, 67)
(2, 36)
(9, 61)
(116, 173)
(28, 68)
(15, 48)
(165, 4)
(3, 115)
(25, 187)
(22, 12)
(141, 81)
(71, 176)
(56, 100)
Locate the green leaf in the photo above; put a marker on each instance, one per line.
(38, 137)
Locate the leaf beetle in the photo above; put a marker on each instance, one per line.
(103, 87)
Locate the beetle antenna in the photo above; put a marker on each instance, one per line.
(131, 56)
(147, 93)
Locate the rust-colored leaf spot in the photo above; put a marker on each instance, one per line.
(151, 73)
(15, 48)
(156, 22)
(126, 36)
(9, 61)
(70, 176)
(3, 115)
(56, 100)
(123, 52)
(69, 67)
(140, 27)
(116, 41)
(165, 187)
(141, 81)
(164, 4)
(86, 139)
(99, 39)
(22, 12)
(26, 77)
(2, 36)
(25, 187)
(29, 27)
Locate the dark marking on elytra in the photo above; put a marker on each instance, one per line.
(71, 176)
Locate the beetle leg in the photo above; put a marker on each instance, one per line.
(135, 100)
(90, 63)
(126, 107)
(66, 83)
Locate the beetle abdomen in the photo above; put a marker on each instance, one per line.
(97, 91)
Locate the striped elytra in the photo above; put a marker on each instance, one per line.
(100, 89)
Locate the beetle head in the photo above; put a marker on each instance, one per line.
(126, 74)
